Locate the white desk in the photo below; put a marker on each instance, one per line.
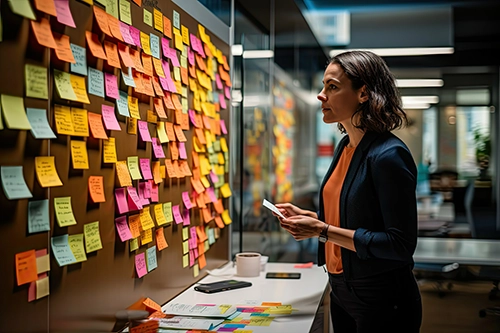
(304, 294)
(460, 250)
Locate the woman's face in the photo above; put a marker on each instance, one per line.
(338, 100)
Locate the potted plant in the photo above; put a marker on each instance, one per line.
(483, 151)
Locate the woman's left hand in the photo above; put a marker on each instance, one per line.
(302, 227)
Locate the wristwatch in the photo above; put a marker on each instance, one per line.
(323, 235)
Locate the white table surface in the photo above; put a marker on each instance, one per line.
(460, 250)
(304, 294)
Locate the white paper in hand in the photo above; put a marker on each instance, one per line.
(273, 208)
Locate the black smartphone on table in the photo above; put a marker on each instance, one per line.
(219, 286)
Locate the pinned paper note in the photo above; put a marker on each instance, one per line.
(62, 250)
(96, 126)
(122, 228)
(78, 85)
(46, 171)
(63, 85)
(96, 189)
(111, 86)
(64, 211)
(109, 118)
(26, 270)
(14, 112)
(92, 237)
(122, 104)
(80, 65)
(123, 174)
(109, 150)
(64, 15)
(133, 167)
(40, 127)
(36, 81)
(151, 258)
(13, 183)
(155, 45)
(38, 216)
(63, 120)
(144, 131)
(22, 8)
(76, 246)
(79, 118)
(140, 265)
(42, 31)
(79, 155)
(95, 45)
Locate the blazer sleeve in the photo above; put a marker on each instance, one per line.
(394, 177)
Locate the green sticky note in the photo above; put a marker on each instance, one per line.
(185, 234)
(23, 8)
(1, 121)
(177, 73)
(148, 18)
(64, 211)
(167, 211)
(36, 81)
(14, 113)
(134, 244)
(206, 245)
(151, 258)
(76, 246)
(62, 250)
(112, 7)
(176, 19)
(40, 127)
(196, 270)
(38, 216)
(96, 82)
(122, 104)
(133, 167)
(185, 247)
(63, 85)
(92, 237)
(185, 261)
(13, 183)
(125, 14)
(79, 53)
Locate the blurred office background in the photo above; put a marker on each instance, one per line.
(446, 57)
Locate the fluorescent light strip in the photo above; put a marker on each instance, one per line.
(258, 54)
(402, 52)
(419, 99)
(416, 106)
(237, 50)
(419, 83)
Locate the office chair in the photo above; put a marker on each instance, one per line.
(439, 274)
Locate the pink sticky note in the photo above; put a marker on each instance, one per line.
(154, 191)
(165, 45)
(140, 265)
(227, 92)
(194, 45)
(200, 48)
(158, 149)
(147, 189)
(109, 118)
(145, 168)
(182, 150)
(214, 177)
(64, 15)
(164, 83)
(134, 202)
(187, 200)
(306, 265)
(127, 37)
(122, 228)
(218, 81)
(192, 117)
(173, 58)
(121, 200)
(191, 58)
(141, 193)
(177, 214)
(186, 218)
(111, 86)
(222, 101)
(144, 130)
(32, 287)
(191, 258)
(223, 126)
(136, 36)
(211, 194)
(195, 251)
(194, 237)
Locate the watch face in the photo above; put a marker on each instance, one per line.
(322, 239)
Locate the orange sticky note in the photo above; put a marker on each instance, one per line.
(26, 271)
(43, 33)
(123, 50)
(170, 168)
(159, 314)
(158, 67)
(177, 102)
(46, 6)
(169, 127)
(147, 64)
(219, 222)
(174, 150)
(134, 223)
(168, 101)
(138, 2)
(156, 85)
(167, 27)
(149, 303)
(271, 303)
(96, 126)
(102, 20)
(136, 58)
(94, 45)
(112, 54)
(114, 27)
(96, 189)
(123, 174)
(158, 103)
(202, 261)
(197, 185)
(63, 49)
(184, 76)
(177, 170)
(184, 166)
(179, 133)
(161, 242)
(148, 85)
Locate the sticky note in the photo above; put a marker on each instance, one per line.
(80, 65)
(125, 13)
(146, 236)
(61, 250)
(64, 15)
(26, 270)
(151, 258)
(134, 244)
(96, 126)
(40, 127)
(112, 8)
(63, 85)
(122, 228)
(157, 148)
(148, 17)
(226, 218)
(36, 81)
(102, 19)
(46, 6)
(133, 105)
(79, 155)
(109, 150)
(95, 45)
(13, 183)
(225, 190)
(111, 83)
(144, 131)
(112, 54)
(80, 122)
(145, 43)
(145, 168)
(96, 189)
(123, 174)
(161, 242)
(43, 32)
(121, 200)
(109, 118)
(14, 112)
(167, 27)
(46, 171)
(128, 79)
(177, 19)
(140, 265)
(78, 85)
(122, 104)
(92, 237)
(155, 45)
(42, 261)
(38, 216)
(167, 211)
(127, 38)
(133, 167)
(177, 214)
(76, 246)
(64, 211)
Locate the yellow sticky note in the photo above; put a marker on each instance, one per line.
(146, 236)
(92, 237)
(177, 74)
(80, 121)
(158, 17)
(133, 106)
(160, 217)
(36, 81)
(185, 247)
(131, 125)
(167, 210)
(125, 14)
(185, 34)
(42, 287)
(146, 47)
(148, 17)
(223, 144)
(112, 8)
(134, 244)
(196, 270)
(109, 150)
(46, 171)
(133, 167)
(79, 154)
(64, 122)
(146, 219)
(185, 261)
(63, 85)
(76, 246)
(78, 84)
(178, 40)
(226, 218)
(225, 190)
(162, 134)
(64, 211)
(14, 112)
(185, 234)
(205, 181)
(43, 264)
(23, 8)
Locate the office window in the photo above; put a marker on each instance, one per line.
(430, 138)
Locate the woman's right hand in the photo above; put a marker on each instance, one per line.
(288, 210)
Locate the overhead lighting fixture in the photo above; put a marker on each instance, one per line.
(237, 50)
(419, 99)
(258, 54)
(416, 106)
(402, 52)
(419, 83)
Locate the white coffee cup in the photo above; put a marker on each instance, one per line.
(248, 264)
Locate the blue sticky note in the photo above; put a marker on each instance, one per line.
(151, 258)
(40, 127)
(96, 82)
(211, 236)
(234, 325)
(13, 183)
(62, 250)
(80, 67)
(257, 314)
(122, 104)
(234, 315)
(154, 42)
(38, 216)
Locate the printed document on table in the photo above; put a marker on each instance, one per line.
(186, 323)
(200, 310)
(273, 208)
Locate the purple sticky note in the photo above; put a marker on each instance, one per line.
(125, 30)
(144, 131)
(145, 168)
(182, 150)
(140, 265)
(218, 82)
(154, 191)
(158, 149)
(134, 202)
(191, 57)
(222, 101)
(111, 84)
(109, 118)
(227, 92)
(177, 214)
(214, 177)
(227, 329)
(122, 228)
(187, 200)
(211, 194)
(223, 126)
(186, 217)
(121, 200)
(136, 36)
(63, 12)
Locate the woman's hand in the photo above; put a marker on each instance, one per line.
(288, 210)
(302, 227)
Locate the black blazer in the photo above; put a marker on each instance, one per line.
(378, 201)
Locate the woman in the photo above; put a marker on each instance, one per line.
(367, 219)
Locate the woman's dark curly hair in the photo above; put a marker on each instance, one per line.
(382, 111)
